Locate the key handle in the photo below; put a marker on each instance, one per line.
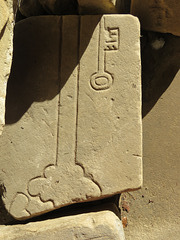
(101, 81)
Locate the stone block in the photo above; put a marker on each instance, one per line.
(103, 225)
(158, 16)
(6, 48)
(73, 120)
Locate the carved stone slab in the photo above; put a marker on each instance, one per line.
(73, 121)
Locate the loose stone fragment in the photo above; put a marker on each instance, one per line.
(73, 131)
(103, 225)
(6, 48)
(159, 16)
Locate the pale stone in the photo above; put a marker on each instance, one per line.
(103, 225)
(84, 143)
(159, 16)
(6, 48)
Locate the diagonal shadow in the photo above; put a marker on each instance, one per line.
(160, 63)
(5, 217)
(36, 73)
(36, 69)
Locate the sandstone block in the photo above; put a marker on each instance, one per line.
(158, 16)
(73, 130)
(103, 225)
(6, 48)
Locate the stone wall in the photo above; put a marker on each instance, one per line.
(152, 213)
(159, 16)
(6, 50)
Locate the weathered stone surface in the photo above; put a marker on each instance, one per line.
(161, 145)
(103, 225)
(160, 191)
(160, 16)
(73, 130)
(6, 48)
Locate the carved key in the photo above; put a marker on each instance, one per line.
(102, 79)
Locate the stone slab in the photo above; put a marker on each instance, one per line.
(158, 16)
(6, 48)
(73, 131)
(103, 225)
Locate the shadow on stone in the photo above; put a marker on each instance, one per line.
(123, 6)
(160, 63)
(36, 69)
(2, 31)
(5, 217)
(110, 204)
